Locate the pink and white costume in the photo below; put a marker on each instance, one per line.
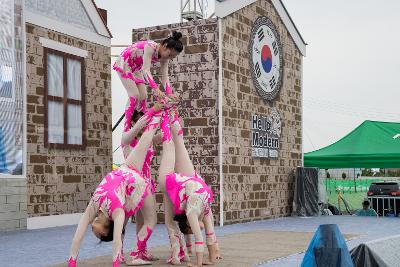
(134, 64)
(132, 134)
(188, 194)
(122, 188)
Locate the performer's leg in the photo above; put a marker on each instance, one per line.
(173, 230)
(168, 153)
(139, 221)
(211, 238)
(134, 99)
(183, 163)
(138, 154)
(130, 86)
(167, 168)
(142, 97)
(148, 211)
(189, 243)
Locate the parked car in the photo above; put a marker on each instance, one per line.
(384, 189)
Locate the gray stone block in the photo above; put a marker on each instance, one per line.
(9, 225)
(16, 198)
(7, 216)
(6, 208)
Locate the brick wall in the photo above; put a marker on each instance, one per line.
(257, 189)
(194, 76)
(12, 204)
(60, 181)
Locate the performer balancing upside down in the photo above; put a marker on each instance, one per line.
(120, 194)
(188, 197)
(129, 140)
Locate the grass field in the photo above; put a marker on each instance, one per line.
(354, 192)
(354, 200)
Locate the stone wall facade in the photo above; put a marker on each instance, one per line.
(13, 203)
(253, 189)
(61, 181)
(194, 76)
(256, 189)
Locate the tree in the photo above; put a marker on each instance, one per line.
(367, 172)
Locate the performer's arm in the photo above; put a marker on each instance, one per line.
(166, 83)
(147, 55)
(165, 78)
(87, 218)
(128, 136)
(118, 216)
(193, 219)
(211, 239)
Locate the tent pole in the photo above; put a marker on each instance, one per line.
(355, 185)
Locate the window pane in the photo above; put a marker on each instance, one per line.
(55, 75)
(55, 123)
(11, 93)
(6, 78)
(74, 79)
(74, 124)
(3, 159)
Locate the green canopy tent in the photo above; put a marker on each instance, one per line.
(373, 144)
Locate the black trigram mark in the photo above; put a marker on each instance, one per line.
(257, 70)
(275, 47)
(272, 82)
(260, 34)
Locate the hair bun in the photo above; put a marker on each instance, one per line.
(176, 35)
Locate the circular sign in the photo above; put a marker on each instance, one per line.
(266, 65)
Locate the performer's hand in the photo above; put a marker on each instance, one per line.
(174, 97)
(159, 94)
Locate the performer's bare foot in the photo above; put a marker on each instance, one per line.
(135, 261)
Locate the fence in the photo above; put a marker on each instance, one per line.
(349, 186)
(354, 192)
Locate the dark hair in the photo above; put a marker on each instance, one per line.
(174, 42)
(365, 203)
(136, 116)
(183, 223)
(110, 235)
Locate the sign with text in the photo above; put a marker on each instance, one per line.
(266, 133)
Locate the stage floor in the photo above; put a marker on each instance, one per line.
(277, 242)
(238, 249)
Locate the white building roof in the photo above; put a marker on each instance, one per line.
(77, 18)
(224, 8)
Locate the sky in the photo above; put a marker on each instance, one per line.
(350, 73)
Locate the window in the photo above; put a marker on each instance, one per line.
(64, 100)
(12, 73)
